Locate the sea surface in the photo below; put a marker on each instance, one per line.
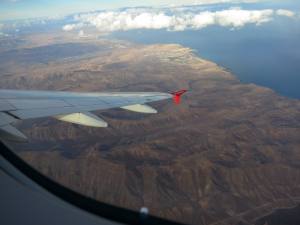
(267, 55)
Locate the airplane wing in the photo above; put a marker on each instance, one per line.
(71, 107)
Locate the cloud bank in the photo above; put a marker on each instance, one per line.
(109, 21)
(284, 12)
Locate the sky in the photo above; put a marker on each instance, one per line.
(241, 18)
(22, 9)
(175, 19)
(122, 15)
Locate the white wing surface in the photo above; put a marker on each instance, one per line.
(68, 106)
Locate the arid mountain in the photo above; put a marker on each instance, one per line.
(229, 154)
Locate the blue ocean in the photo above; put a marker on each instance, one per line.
(267, 55)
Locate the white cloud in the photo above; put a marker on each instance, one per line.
(239, 18)
(81, 33)
(284, 12)
(150, 18)
(74, 26)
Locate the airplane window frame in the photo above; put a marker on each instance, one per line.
(100, 209)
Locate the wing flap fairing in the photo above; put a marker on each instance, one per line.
(140, 108)
(86, 119)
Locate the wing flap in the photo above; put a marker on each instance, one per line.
(10, 133)
(37, 113)
(5, 106)
(6, 119)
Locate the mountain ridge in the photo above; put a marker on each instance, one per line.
(227, 155)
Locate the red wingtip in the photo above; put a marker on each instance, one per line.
(177, 95)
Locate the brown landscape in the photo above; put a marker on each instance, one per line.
(227, 155)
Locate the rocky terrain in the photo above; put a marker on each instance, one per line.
(229, 154)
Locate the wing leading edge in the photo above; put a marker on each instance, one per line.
(71, 107)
